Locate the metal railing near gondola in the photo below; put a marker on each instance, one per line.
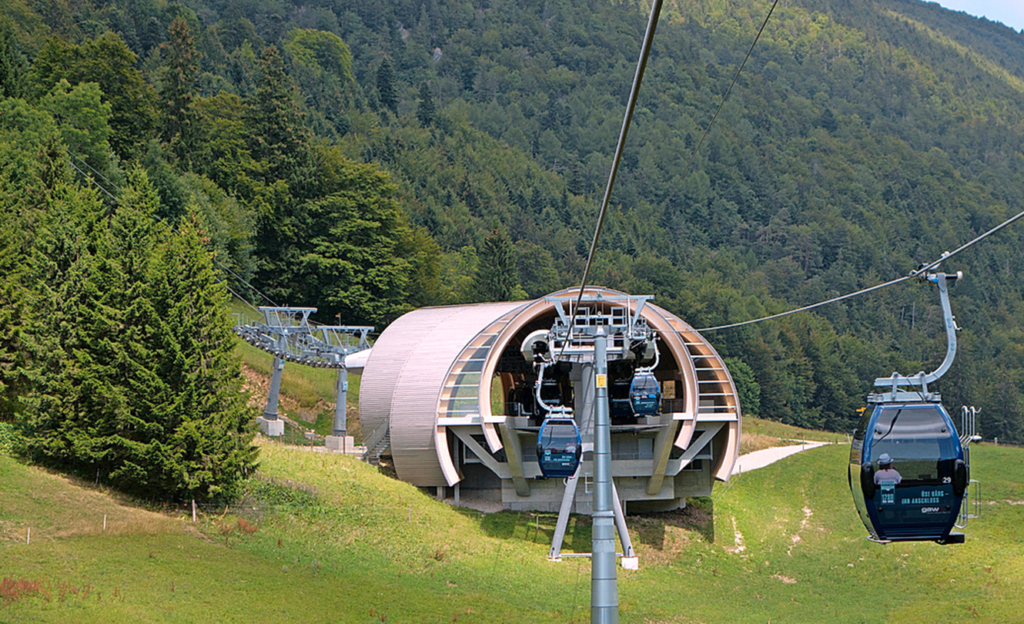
(972, 497)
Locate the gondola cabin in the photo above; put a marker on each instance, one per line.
(559, 447)
(645, 394)
(907, 472)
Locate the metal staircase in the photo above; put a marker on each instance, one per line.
(378, 443)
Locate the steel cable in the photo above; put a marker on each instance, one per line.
(641, 66)
(638, 77)
(915, 273)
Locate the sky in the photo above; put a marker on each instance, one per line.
(1009, 12)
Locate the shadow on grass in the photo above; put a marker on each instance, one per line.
(648, 529)
(534, 527)
(698, 516)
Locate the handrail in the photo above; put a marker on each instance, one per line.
(377, 435)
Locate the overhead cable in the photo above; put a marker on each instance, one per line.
(638, 77)
(89, 178)
(725, 97)
(809, 307)
(627, 119)
(214, 258)
(913, 274)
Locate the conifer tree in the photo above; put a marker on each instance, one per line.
(58, 269)
(178, 88)
(207, 424)
(278, 141)
(426, 110)
(496, 277)
(121, 433)
(275, 122)
(11, 310)
(386, 91)
(134, 377)
(13, 65)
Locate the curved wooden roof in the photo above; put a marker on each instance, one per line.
(432, 369)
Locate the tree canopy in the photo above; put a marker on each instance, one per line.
(373, 157)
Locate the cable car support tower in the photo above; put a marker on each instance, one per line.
(603, 329)
(287, 334)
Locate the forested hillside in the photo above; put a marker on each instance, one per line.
(373, 156)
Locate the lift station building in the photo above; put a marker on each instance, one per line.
(448, 394)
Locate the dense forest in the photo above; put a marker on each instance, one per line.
(371, 157)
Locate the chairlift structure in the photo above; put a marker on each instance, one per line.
(287, 334)
(909, 467)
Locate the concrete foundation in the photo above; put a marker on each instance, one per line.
(340, 444)
(273, 428)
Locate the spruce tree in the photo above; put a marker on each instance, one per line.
(206, 421)
(13, 65)
(34, 177)
(496, 276)
(121, 434)
(386, 91)
(274, 122)
(58, 268)
(426, 110)
(134, 380)
(280, 144)
(179, 86)
(11, 311)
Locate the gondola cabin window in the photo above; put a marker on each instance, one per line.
(916, 439)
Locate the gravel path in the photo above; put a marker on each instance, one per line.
(762, 458)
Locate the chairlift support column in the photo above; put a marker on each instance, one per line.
(588, 340)
(287, 334)
(340, 413)
(271, 425)
(337, 343)
(604, 588)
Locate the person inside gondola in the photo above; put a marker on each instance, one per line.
(886, 472)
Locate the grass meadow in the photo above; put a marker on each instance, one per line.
(326, 538)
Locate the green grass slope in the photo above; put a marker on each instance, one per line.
(325, 538)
